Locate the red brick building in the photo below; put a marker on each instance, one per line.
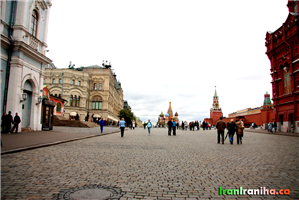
(282, 51)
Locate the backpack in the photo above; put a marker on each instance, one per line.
(149, 124)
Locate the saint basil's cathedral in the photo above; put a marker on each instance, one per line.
(162, 120)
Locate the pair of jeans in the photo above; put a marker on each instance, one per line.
(239, 138)
(15, 126)
(231, 138)
(169, 130)
(174, 128)
(149, 130)
(222, 136)
(122, 131)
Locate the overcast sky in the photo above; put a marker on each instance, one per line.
(174, 51)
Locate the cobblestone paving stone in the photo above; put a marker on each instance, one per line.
(190, 165)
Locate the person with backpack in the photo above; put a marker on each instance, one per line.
(239, 131)
(174, 128)
(149, 126)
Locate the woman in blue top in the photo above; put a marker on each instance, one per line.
(122, 126)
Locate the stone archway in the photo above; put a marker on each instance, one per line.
(26, 105)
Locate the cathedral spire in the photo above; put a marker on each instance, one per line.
(215, 95)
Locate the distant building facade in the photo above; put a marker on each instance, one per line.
(93, 89)
(24, 30)
(283, 53)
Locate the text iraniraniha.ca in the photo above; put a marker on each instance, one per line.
(261, 191)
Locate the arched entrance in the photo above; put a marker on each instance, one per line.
(26, 105)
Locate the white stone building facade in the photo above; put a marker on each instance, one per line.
(24, 28)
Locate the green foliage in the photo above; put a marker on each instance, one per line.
(127, 115)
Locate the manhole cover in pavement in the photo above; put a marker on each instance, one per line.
(90, 192)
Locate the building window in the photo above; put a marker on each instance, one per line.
(71, 100)
(58, 108)
(97, 104)
(59, 95)
(60, 81)
(34, 20)
(53, 81)
(94, 86)
(44, 81)
(75, 101)
(79, 83)
(287, 82)
(73, 82)
(78, 101)
(100, 86)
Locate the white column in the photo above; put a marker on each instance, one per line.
(14, 87)
(21, 20)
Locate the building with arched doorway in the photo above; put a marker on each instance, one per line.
(23, 29)
(92, 89)
(283, 53)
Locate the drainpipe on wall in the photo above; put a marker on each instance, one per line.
(10, 49)
(88, 97)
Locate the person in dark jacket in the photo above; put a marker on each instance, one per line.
(77, 116)
(9, 121)
(232, 128)
(220, 125)
(16, 122)
(204, 125)
(170, 124)
(102, 124)
(183, 125)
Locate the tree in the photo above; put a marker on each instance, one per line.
(127, 115)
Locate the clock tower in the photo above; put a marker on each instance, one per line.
(216, 111)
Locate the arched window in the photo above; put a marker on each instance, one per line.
(75, 101)
(71, 100)
(287, 81)
(34, 19)
(97, 103)
(100, 86)
(78, 101)
(58, 108)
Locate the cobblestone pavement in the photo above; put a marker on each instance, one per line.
(190, 165)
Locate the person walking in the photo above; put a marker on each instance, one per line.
(16, 122)
(170, 124)
(87, 117)
(275, 126)
(144, 124)
(9, 121)
(240, 128)
(174, 124)
(232, 128)
(102, 124)
(203, 125)
(77, 116)
(149, 126)
(220, 125)
(133, 125)
(122, 127)
(183, 125)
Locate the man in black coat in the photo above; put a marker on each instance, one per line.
(16, 122)
(9, 121)
(204, 125)
(232, 128)
(170, 124)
